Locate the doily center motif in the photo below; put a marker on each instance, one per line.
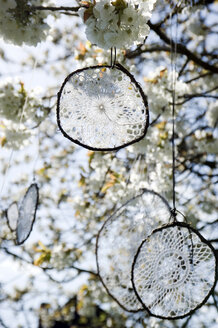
(171, 268)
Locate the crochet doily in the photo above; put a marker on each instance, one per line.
(12, 215)
(119, 239)
(174, 271)
(27, 213)
(102, 108)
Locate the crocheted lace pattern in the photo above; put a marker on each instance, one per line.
(102, 108)
(27, 213)
(119, 239)
(173, 271)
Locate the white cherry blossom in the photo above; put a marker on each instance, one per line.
(119, 23)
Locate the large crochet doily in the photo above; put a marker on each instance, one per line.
(174, 271)
(27, 213)
(102, 108)
(119, 239)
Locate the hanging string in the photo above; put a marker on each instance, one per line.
(173, 46)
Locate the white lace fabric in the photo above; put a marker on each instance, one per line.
(12, 216)
(102, 108)
(27, 214)
(119, 239)
(173, 272)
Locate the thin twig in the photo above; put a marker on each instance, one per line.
(183, 67)
(83, 270)
(3, 324)
(16, 256)
(198, 77)
(74, 9)
(142, 49)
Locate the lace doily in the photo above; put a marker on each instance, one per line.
(174, 271)
(27, 213)
(12, 215)
(102, 108)
(119, 239)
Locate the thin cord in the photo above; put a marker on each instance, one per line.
(173, 69)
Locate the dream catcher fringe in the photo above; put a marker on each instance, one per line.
(21, 219)
(102, 108)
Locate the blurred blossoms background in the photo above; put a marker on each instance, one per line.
(51, 280)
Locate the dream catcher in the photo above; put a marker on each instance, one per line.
(119, 239)
(174, 271)
(102, 107)
(21, 219)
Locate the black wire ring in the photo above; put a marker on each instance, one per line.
(118, 144)
(152, 283)
(123, 220)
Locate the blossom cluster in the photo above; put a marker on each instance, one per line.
(61, 257)
(20, 24)
(212, 114)
(90, 55)
(154, 163)
(159, 87)
(205, 141)
(119, 23)
(20, 112)
(194, 24)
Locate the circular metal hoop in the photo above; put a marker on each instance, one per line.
(102, 108)
(174, 271)
(119, 239)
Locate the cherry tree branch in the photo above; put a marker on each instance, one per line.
(156, 28)
(199, 77)
(80, 270)
(198, 95)
(143, 49)
(3, 324)
(182, 49)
